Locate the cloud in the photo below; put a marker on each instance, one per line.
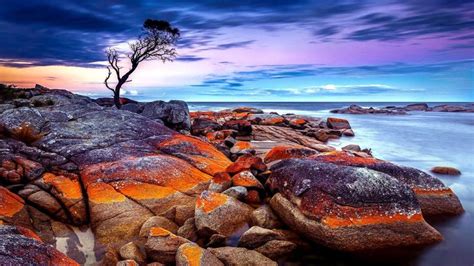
(189, 58)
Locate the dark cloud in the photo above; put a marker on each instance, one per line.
(189, 58)
(327, 31)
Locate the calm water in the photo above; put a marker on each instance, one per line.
(421, 140)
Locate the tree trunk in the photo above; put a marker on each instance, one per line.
(117, 101)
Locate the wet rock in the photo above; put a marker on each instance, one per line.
(20, 246)
(247, 162)
(203, 126)
(162, 245)
(238, 192)
(246, 179)
(249, 110)
(434, 197)
(12, 209)
(241, 256)
(351, 147)
(348, 133)
(338, 123)
(131, 251)
(158, 221)
(348, 208)
(445, 170)
(175, 114)
(275, 249)
(192, 254)
(219, 213)
(416, 107)
(286, 152)
(265, 217)
(241, 147)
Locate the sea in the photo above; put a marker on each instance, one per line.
(421, 140)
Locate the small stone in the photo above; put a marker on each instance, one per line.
(191, 254)
(275, 249)
(232, 256)
(127, 263)
(264, 217)
(130, 251)
(237, 192)
(157, 221)
(162, 245)
(445, 170)
(351, 147)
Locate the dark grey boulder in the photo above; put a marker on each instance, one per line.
(175, 114)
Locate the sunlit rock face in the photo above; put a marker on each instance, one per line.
(348, 208)
(434, 197)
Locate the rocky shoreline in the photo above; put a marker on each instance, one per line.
(396, 110)
(160, 185)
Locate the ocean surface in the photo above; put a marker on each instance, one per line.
(419, 139)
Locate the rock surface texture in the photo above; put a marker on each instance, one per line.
(83, 182)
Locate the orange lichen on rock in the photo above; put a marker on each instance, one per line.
(143, 191)
(159, 232)
(104, 193)
(202, 155)
(162, 170)
(242, 145)
(28, 233)
(246, 179)
(192, 254)
(345, 158)
(334, 221)
(286, 152)
(273, 121)
(208, 201)
(69, 188)
(433, 192)
(246, 162)
(10, 204)
(221, 178)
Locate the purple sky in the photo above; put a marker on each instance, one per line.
(251, 50)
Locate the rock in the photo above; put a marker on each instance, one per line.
(257, 236)
(351, 147)
(157, 221)
(288, 135)
(221, 135)
(203, 126)
(246, 179)
(133, 107)
(219, 213)
(297, 123)
(338, 123)
(109, 102)
(241, 256)
(188, 230)
(434, 197)
(127, 263)
(355, 109)
(131, 251)
(243, 127)
(192, 254)
(162, 245)
(175, 114)
(286, 152)
(21, 246)
(239, 193)
(13, 210)
(220, 182)
(241, 147)
(264, 217)
(348, 133)
(445, 170)
(416, 107)
(348, 208)
(249, 110)
(275, 249)
(247, 162)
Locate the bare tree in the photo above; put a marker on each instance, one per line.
(157, 42)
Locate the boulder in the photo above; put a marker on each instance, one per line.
(445, 170)
(157, 221)
(348, 208)
(246, 179)
(257, 236)
(218, 213)
(242, 127)
(416, 107)
(250, 110)
(286, 152)
(238, 192)
(220, 182)
(175, 114)
(241, 147)
(203, 126)
(232, 256)
(338, 123)
(351, 147)
(162, 245)
(193, 255)
(188, 230)
(131, 251)
(434, 197)
(21, 246)
(275, 249)
(247, 162)
(265, 217)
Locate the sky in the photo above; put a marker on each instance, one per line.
(313, 50)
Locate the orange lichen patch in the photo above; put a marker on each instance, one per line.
(193, 254)
(286, 152)
(334, 221)
(298, 121)
(219, 135)
(433, 192)
(345, 158)
(143, 191)
(247, 162)
(202, 155)
(159, 232)
(208, 201)
(202, 114)
(273, 121)
(69, 188)
(28, 233)
(221, 178)
(161, 170)
(246, 179)
(10, 204)
(242, 145)
(104, 193)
